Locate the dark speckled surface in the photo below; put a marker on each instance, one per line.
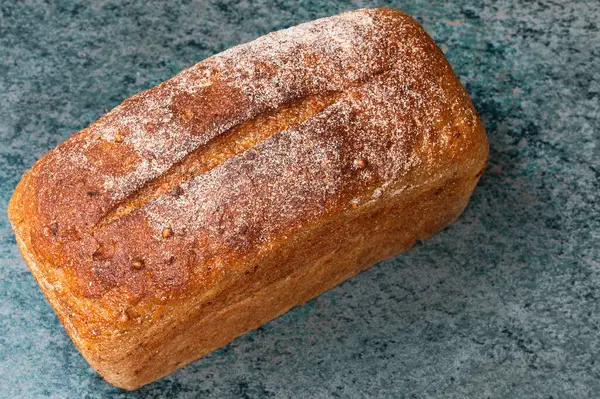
(503, 304)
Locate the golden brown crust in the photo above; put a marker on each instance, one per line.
(251, 167)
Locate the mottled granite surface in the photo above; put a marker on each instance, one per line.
(503, 304)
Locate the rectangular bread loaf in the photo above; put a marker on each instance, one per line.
(247, 184)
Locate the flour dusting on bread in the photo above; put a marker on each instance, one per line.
(327, 55)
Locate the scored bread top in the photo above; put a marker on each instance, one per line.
(169, 193)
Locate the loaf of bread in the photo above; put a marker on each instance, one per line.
(247, 184)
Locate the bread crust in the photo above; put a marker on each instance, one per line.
(247, 184)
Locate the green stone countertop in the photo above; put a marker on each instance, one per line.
(503, 304)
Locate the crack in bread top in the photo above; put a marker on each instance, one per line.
(205, 158)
